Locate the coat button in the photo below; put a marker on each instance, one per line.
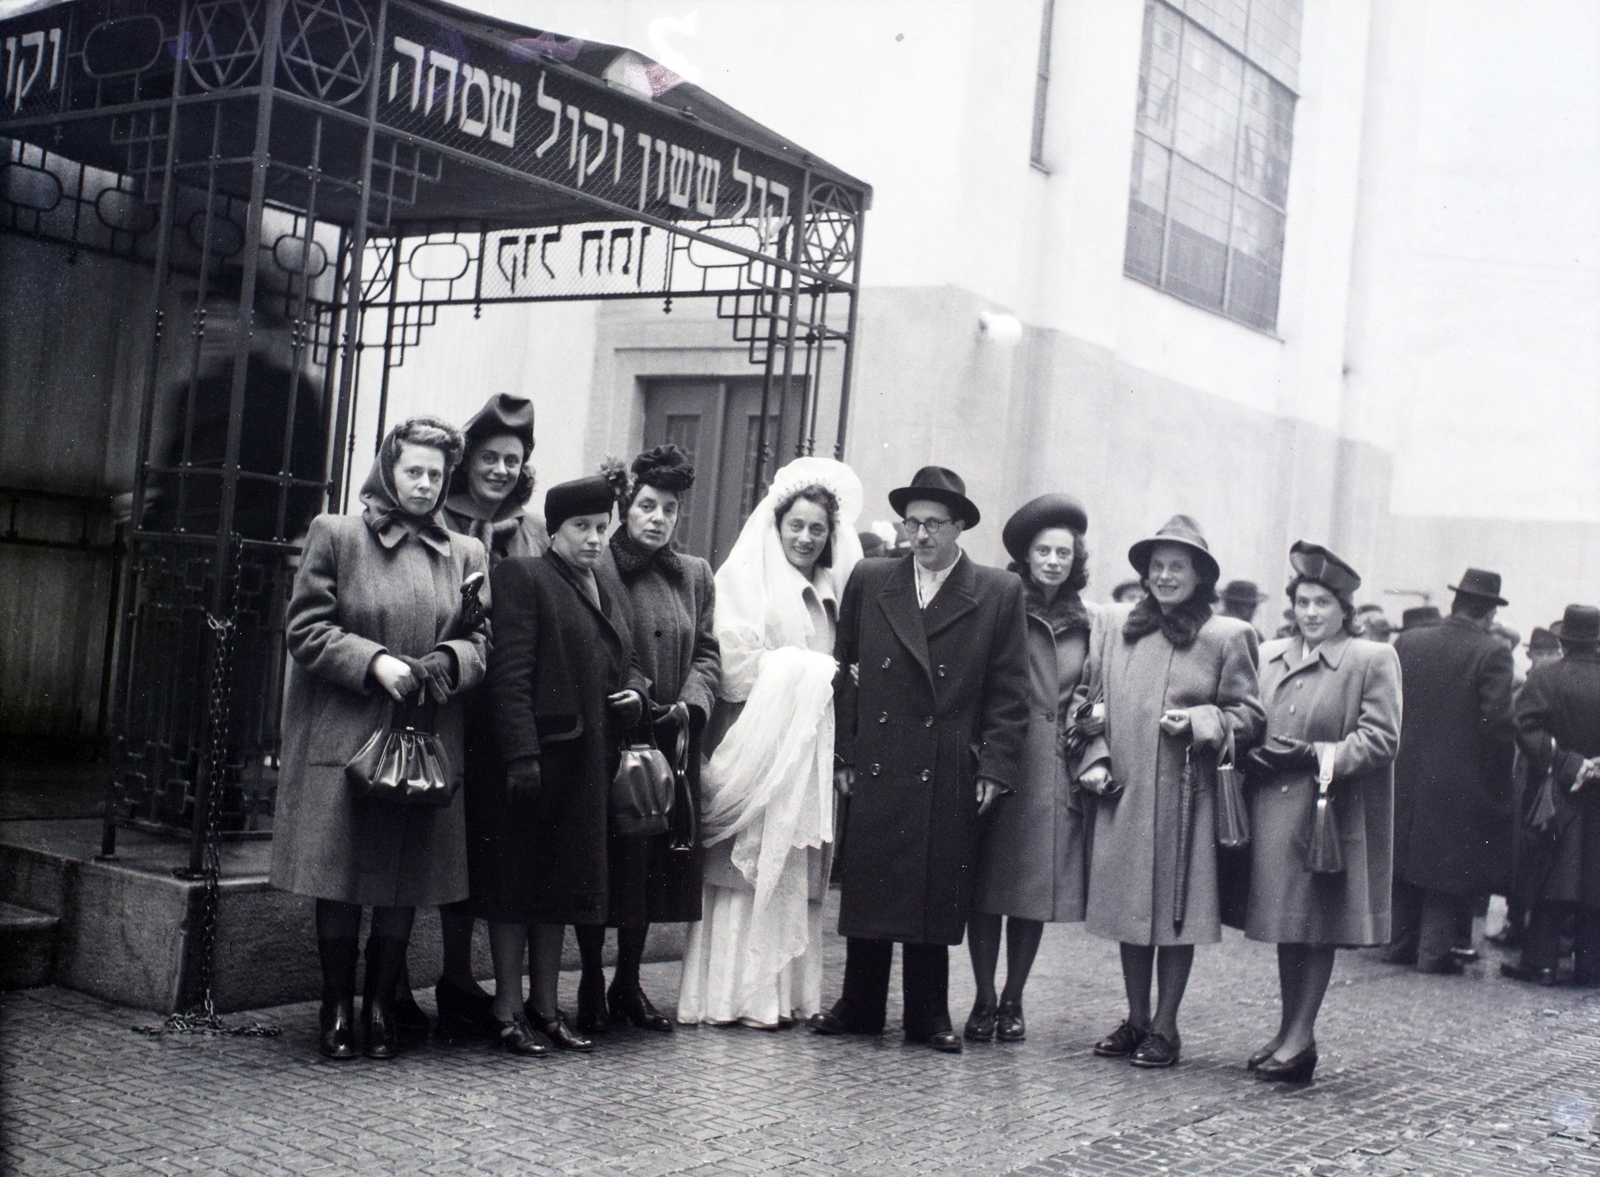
(1291, 708)
(941, 670)
(876, 769)
(1283, 788)
(928, 721)
(884, 718)
(886, 664)
(926, 775)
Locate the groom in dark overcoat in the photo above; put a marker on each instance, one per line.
(931, 703)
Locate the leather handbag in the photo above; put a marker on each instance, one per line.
(403, 762)
(1233, 813)
(684, 818)
(1324, 849)
(641, 792)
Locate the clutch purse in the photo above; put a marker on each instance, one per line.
(1233, 815)
(403, 762)
(1324, 850)
(641, 792)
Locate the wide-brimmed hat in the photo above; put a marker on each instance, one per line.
(594, 495)
(1315, 562)
(1544, 639)
(1242, 592)
(937, 485)
(1050, 510)
(1185, 532)
(1420, 617)
(1579, 623)
(1475, 582)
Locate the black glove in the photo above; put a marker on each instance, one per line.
(522, 780)
(439, 673)
(670, 719)
(627, 706)
(1282, 754)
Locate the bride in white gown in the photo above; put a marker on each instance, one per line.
(756, 956)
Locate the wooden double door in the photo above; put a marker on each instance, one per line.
(717, 422)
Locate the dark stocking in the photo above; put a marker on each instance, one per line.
(591, 951)
(983, 945)
(630, 954)
(1022, 945)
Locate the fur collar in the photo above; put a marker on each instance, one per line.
(633, 560)
(1064, 615)
(1180, 627)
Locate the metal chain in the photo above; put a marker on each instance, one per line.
(204, 1020)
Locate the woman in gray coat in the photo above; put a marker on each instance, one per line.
(1333, 714)
(377, 611)
(671, 597)
(1031, 853)
(1177, 682)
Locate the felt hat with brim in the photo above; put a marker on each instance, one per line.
(1420, 617)
(1315, 562)
(1185, 532)
(503, 413)
(594, 495)
(1580, 624)
(1543, 639)
(1475, 582)
(1243, 592)
(1051, 510)
(935, 484)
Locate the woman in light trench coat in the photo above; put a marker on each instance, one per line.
(1177, 681)
(1333, 707)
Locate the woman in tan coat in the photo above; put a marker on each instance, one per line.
(1333, 713)
(1177, 681)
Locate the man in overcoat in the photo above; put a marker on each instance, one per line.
(1453, 776)
(1558, 731)
(932, 711)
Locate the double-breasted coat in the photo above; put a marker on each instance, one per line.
(1561, 701)
(557, 656)
(942, 699)
(1134, 858)
(356, 596)
(1346, 694)
(1452, 779)
(1032, 859)
(671, 597)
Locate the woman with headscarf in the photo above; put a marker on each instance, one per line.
(1031, 868)
(671, 596)
(488, 500)
(377, 615)
(563, 689)
(1333, 720)
(1178, 683)
(755, 958)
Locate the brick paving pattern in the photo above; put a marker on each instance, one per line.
(1424, 1075)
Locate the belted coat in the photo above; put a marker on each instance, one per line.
(926, 702)
(1452, 779)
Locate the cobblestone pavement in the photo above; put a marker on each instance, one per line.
(1424, 1075)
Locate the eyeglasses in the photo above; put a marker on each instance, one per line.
(932, 526)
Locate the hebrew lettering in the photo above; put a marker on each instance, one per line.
(475, 78)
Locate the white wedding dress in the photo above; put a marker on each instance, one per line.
(755, 957)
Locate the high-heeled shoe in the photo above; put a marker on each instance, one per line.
(1008, 1023)
(557, 1029)
(1262, 1055)
(463, 1014)
(593, 1018)
(980, 1023)
(380, 1034)
(629, 1004)
(1291, 1070)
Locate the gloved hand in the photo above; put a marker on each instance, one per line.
(670, 720)
(1284, 754)
(439, 674)
(522, 780)
(627, 706)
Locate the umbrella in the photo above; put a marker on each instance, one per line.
(1180, 884)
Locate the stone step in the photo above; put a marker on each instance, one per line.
(27, 947)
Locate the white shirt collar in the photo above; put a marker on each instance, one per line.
(929, 583)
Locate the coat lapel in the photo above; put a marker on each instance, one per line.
(898, 600)
(571, 577)
(955, 599)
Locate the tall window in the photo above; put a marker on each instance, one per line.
(1211, 153)
(1041, 87)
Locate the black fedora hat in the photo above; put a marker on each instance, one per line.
(1579, 623)
(1183, 531)
(1245, 592)
(1475, 582)
(1420, 617)
(1317, 563)
(937, 485)
(1544, 639)
(1051, 510)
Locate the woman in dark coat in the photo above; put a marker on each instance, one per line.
(487, 500)
(1333, 712)
(563, 687)
(377, 611)
(671, 597)
(1031, 866)
(1177, 681)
